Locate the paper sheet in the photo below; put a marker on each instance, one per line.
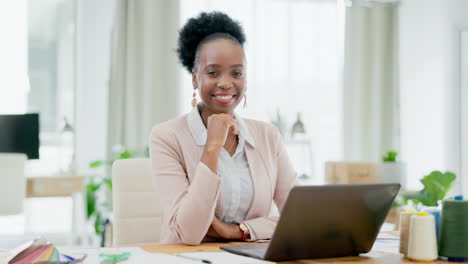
(225, 258)
(138, 256)
(3, 257)
(387, 245)
(387, 236)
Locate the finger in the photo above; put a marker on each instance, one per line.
(235, 129)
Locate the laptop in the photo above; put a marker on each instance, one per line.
(325, 221)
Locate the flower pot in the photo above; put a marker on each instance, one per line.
(393, 172)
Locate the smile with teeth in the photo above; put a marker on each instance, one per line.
(224, 98)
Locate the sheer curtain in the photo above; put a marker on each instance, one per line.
(143, 72)
(292, 65)
(371, 85)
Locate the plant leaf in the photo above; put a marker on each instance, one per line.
(98, 228)
(92, 186)
(436, 186)
(391, 156)
(415, 197)
(90, 203)
(91, 200)
(96, 164)
(125, 155)
(108, 182)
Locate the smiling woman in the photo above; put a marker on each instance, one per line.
(217, 173)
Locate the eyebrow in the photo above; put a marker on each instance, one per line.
(219, 66)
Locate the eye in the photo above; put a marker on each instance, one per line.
(237, 74)
(212, 73)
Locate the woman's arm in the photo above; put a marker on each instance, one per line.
(188, 208)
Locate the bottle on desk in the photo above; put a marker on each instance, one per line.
(422, 244)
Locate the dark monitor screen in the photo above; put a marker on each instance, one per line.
(20, 134)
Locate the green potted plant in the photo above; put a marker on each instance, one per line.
(391, 170)
(436, 186)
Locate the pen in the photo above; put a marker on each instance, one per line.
(68, 257)
(195, 259)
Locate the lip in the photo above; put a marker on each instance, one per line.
(224, 101)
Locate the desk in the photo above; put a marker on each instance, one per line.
(374, 257)
(63, 186)
(54, 186)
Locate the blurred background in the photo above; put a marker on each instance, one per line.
(343, 80)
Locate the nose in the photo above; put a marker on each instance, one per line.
(225, 82)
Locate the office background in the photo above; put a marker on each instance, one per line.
(366, 76)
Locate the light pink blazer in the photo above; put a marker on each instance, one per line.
(190, 192)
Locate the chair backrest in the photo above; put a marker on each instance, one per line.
(12, 183)
(137, 212)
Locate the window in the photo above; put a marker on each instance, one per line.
(51, 68)
(292, 64)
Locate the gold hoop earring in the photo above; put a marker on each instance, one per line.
(194, 99)
(245, 100)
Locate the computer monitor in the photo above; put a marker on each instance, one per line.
(20, 134)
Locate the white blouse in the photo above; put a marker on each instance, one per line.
(236, 186)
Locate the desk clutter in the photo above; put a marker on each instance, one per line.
(428, 236)
(39, 251)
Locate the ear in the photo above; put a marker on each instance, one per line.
(194, 80)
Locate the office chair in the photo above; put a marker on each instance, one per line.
(12, 183)
(137, 212)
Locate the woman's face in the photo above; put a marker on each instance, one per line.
(220, 76)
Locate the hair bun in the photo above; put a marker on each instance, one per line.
(197, 28)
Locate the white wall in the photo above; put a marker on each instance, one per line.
(94, 24)
(13, 56)
(429, 87)
(464, 105)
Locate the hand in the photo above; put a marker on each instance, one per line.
(218, 127)
(226, 231)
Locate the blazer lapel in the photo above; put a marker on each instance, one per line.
(260, 179)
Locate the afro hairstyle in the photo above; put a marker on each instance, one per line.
(198, 28)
